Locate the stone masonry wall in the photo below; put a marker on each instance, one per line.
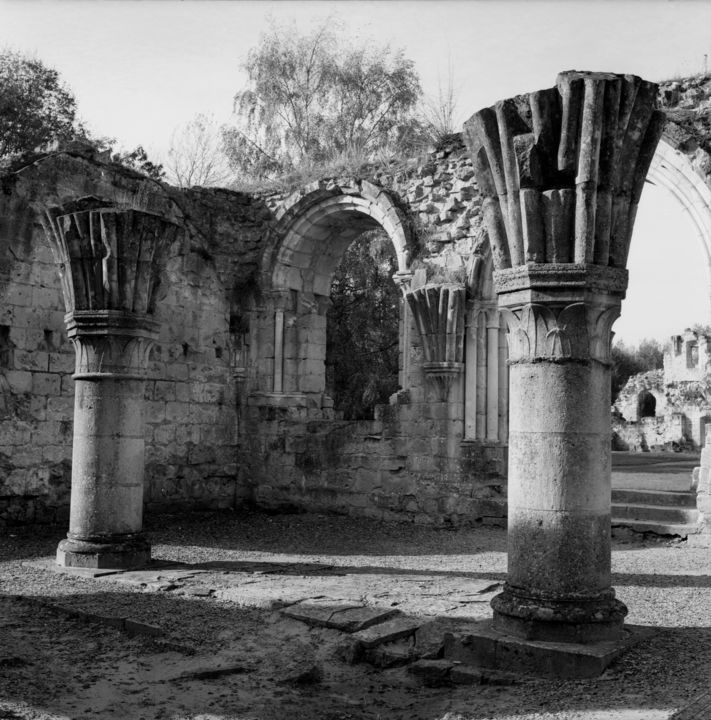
(410, 463)
(190, 406)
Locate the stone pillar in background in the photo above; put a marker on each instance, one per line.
(107, 261)
(561, 172)
(439, 312)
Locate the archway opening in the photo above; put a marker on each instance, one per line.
(336, 306)
(362, 335)
(646, 404)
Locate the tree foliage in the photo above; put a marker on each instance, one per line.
(628, 361)
(316, 97)
(196, 155)
(362, 328)
(137, 159)
(36, 107)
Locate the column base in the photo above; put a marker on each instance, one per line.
(571, 620)
(115, 552)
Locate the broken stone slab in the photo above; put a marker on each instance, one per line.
(357, 646)
(388, 631)
(357, 619)
(392, 655)
(432, 673)
(345, 617)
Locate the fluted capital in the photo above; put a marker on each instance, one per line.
(561, 170)
(108, 258)
(439, 315)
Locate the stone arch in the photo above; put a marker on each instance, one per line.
(646, 404)
(314, 228)
(673, 170)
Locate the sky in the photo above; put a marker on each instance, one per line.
(141, 68)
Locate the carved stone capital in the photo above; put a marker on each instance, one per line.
(561, 170)
(546, 278)
(560, 312)
(439, 312)
(556, 332)
(111, 344)
(107, 257)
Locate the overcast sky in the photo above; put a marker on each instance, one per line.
(141, 68)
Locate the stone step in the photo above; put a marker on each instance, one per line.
(650, 513)
(659, 528)
(667, 498)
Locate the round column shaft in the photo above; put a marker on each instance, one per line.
(106, 513)
(559, 584)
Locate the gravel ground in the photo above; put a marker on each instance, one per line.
(250, 564)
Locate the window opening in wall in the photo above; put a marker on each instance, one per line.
(692, 355)
(362, 329)
(647, 404)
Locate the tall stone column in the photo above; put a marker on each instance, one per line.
(107, 261)
(561, 172)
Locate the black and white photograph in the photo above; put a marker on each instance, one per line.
(355, 360)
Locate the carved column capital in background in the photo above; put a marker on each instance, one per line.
(439, 312)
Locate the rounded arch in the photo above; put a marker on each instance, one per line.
(646, 404)
(316, 227)
(673, 170)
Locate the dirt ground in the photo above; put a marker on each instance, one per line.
(224, 650)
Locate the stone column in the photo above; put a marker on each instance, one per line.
(278, 351)
(492, 380)
(470, 375)
(107, 261)
(106, 515)
(561, 172)
(439, 315)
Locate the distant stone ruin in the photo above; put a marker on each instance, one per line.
(668, 409)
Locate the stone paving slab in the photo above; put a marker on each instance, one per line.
(388, 631)
(347, 618)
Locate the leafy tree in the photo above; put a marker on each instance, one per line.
(312, 98)
(138, 160)
(196, 155)
(628, 361)
(36, 107)
(362, 329)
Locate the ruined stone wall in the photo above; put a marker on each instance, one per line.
(190, 407)
(413, 462)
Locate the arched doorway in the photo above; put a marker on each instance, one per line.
(311, 239)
